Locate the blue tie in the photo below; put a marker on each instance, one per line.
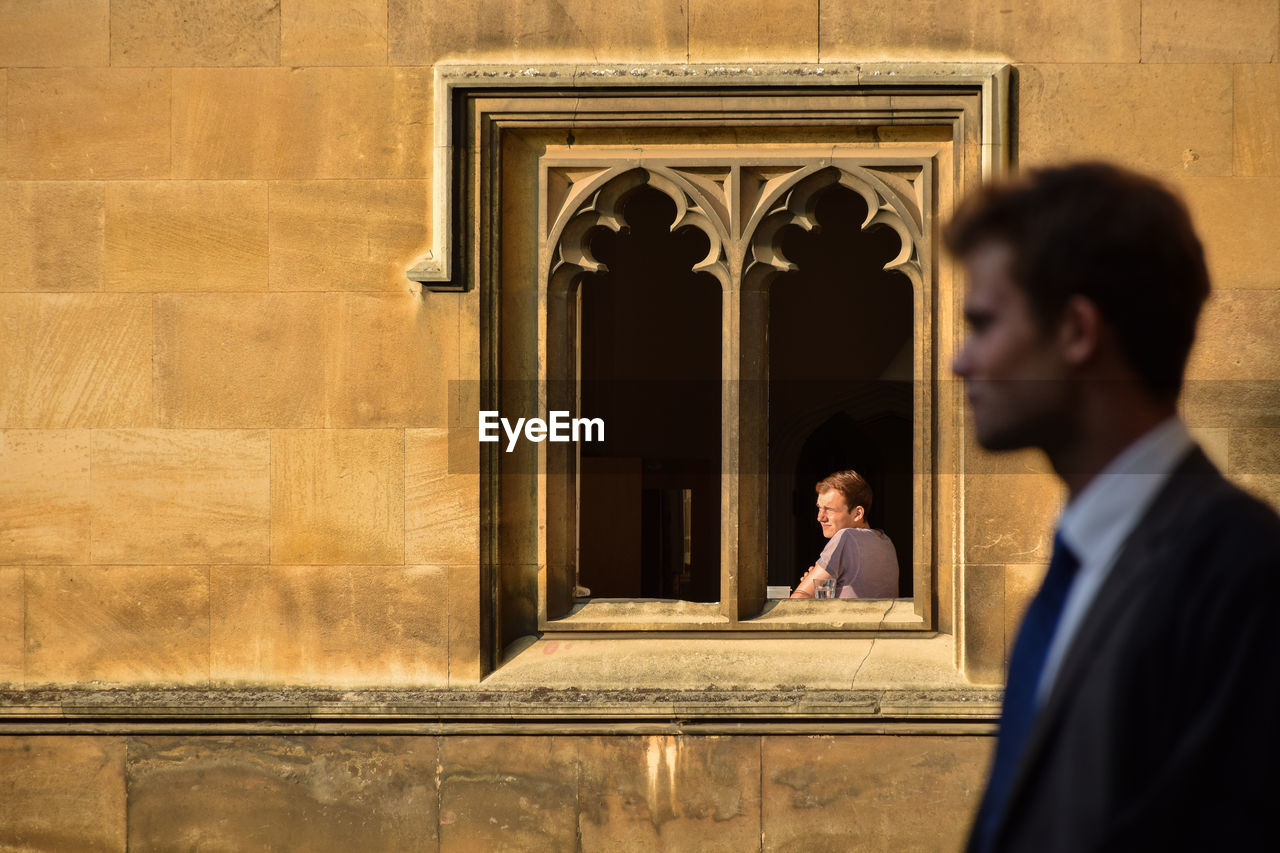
(1025, 667)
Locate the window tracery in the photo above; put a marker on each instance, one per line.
(744, 205)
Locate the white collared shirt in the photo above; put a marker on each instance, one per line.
(1096, 523)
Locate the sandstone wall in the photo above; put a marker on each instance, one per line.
(223, 406)
(487, 793)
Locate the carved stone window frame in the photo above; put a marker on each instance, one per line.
(741, 201)
(909, 188)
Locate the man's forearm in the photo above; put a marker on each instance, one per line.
(804, 589)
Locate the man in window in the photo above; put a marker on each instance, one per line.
(861, 561)
(1141, 706)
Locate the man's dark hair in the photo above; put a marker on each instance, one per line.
(1116, 237)
(850, 484)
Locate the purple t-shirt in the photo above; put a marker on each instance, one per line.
(863, 562)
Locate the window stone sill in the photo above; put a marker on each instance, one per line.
(778, 686)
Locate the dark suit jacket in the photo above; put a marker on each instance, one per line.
(1161, 729)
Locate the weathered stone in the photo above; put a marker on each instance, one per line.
(1021, 583)
(1214, 442)
(507, 794)
(693, 663)
(195, 32)
(1254, 462)
(930, 665)
(337, 497)
(53, 234)
(100, 124)
(251, 360)
(1235, 219)
(304, 360)
(62, 793)
(870, 793)
(755, 31)
(1210, 403)
(1060, 31)
(1009, 517)
(165, 497)
(1254, 451)
(422, 32)
(318, 32)
(442, 509)
(1195, 31)
(12, 624)
(371, 231)
(53, 33)
(330, 625)
(301, 123)
(44, 496)
(75, 360)
(147, 624)
(390, 360)
(466, 618)
(4, 120)
(186, 235)
(669, 793)
(1120, 112)
(276, 793)
(980, 462)
(985, 623)
(1237, 339)
(1257, 120)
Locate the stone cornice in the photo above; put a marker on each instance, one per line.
(247, 710)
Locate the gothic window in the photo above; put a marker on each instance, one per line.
(737, 269)
(736, 359)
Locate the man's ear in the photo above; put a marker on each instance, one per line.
(858, 513)
(1080, 329)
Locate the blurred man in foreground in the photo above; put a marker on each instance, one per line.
(1142, 703)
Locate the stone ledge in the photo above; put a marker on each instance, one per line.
(638, 685)
(535, 710)
(798, 664)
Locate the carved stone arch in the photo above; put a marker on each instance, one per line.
(601, 204)
(890, 199)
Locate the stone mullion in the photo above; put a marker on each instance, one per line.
(731, 493)
(746, 420)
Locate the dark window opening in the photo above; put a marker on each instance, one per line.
(649, 499)
(840, 382)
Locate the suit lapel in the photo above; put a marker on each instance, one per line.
(1147, 548)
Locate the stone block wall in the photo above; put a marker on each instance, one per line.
(488, 793)
(223, 408)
